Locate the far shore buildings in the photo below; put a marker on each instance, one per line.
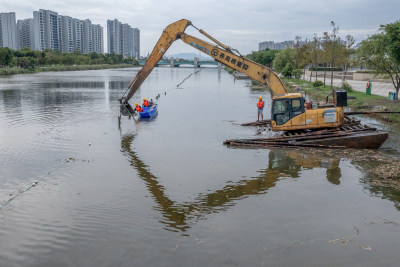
(49, 30)
(122, 39)
(65, 33)
(8, 30)
(276, 46)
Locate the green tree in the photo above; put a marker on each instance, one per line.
(315, 53)
(264, 57)
(325, 44)
(392, 35)
(380, 52)
(6, 56)
(335, 41)
(346, 54)
(288, 70)
(284, 57)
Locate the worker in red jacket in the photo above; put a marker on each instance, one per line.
(138, 108)
(146, 103)
(260, 106)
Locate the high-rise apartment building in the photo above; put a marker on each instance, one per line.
(113, 36)
(66, 34)
(8, 30)
(126, 40)
(265, 45)
(98, 39)
(92, 37)
(136, 43)
(28, 34)
(122, 39)
(78, 35)
(48, 29)
(87, 36)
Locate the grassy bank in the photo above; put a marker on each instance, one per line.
(12, 71)
(357, 101)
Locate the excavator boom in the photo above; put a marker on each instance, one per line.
(169, 35)
(219, 52)
(252, 69)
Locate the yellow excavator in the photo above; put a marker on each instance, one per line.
(288, 112)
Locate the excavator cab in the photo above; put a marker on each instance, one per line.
(288, 113)
(285, 109)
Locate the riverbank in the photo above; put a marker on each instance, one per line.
(357, 101)
(13, 71)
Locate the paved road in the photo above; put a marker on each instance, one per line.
(378, 88)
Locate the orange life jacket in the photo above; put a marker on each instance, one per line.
(146, 103)
(139, 109)
(260, 104)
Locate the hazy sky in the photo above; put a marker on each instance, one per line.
(239, 24)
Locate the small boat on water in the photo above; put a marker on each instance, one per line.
(149, 111)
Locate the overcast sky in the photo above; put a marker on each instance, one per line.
(239, 24)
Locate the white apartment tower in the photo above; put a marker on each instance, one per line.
(66, 34)
(126, 42)
(48, 29)
(28, 34)
(136, 43)
(8, 30)
(87, 36)
(113, 36)
(92, 37)
(98, 39)
(122, 39)
(78, 35)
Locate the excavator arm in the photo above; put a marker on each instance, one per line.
(220, 52)
(226, 56)
(169, 35)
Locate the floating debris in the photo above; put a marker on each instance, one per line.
(366, 247)
(187, 78)
(342, 241)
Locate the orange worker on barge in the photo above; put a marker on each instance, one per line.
(260, 105)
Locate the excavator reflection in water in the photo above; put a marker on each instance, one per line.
(180, 216)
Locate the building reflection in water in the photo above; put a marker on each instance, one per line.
(179, 216)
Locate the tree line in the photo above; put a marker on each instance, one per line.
(328, 52)
(28, 59)
(321, 53)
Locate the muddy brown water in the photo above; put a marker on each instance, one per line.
(166, 192)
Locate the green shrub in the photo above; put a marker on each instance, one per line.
(346, 86)
(297, 73)
(317, 83)
(287, 70)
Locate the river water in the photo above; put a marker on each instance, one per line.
(78, 189)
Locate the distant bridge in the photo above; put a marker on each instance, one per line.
(177, 63)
